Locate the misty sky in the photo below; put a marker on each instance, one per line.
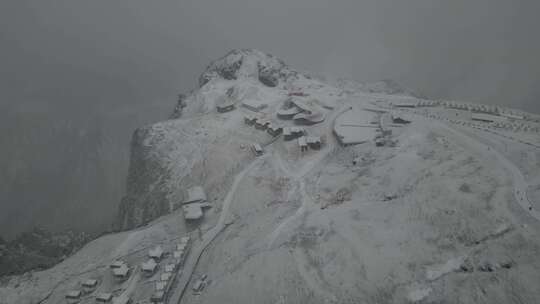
(103, 53)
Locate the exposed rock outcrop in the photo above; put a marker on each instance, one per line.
(145, 198)
(38, 249)
(170, 156)
(268, 69)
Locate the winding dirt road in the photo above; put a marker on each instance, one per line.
(519, 182)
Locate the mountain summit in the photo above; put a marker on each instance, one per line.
(248, 63)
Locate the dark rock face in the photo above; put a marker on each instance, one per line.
(38, 249)
(268, 77)
(180, 105)
(225, 67)
(145, 197)
(270, 69)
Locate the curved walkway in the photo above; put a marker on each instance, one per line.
(195, 255)
(520, 184)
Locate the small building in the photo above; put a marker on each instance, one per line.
(104, 298)
(250, 120)
(178, 263)
(158, 297)
(405, 104)
(178, 254)
(288, 113)
(399, 119)
(195, 194)
(261, 124)
(274, 130)
(192, 211)
(156, 253)
(290, 133)
(486, 117)
(186, 240)
(161, 286)
(254, 105)
(302, 143)
(374, 108)
(90, 285)
(257, 149)
(149, 267)
(379, 142)
(297, 93)
(386, 132)
(309, 118)
(73, 296)
(199, 286)
(165, 277)
(314, 142)
(512, 116)
(117, 264)
(181, 246)
(121, 273)
(225, 105)
(170, 267)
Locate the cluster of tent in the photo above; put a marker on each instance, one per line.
(301, 112)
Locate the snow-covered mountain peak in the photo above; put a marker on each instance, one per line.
(248, 63)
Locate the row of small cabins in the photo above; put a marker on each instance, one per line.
(170, 272)
(121, 271)
(263, 125)
(480, 112)
(289, 133)
(313, 142)
(227, 104)
(291, 110)
(492, 121)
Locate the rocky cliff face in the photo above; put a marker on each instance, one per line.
(169, 156)
(268, 69)
(144, 171)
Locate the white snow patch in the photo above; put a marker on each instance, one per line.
(418, 294)
(439, 270)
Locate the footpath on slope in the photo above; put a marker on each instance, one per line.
(299, 174)
(312, 281)
(189, 267)
(183, 280)
(520, 184)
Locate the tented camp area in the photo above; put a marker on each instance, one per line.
(290, 133)
(301, 111)
(354, 127)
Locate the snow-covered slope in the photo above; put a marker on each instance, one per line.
(197, 145)
(385, 86)
(440, 210)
